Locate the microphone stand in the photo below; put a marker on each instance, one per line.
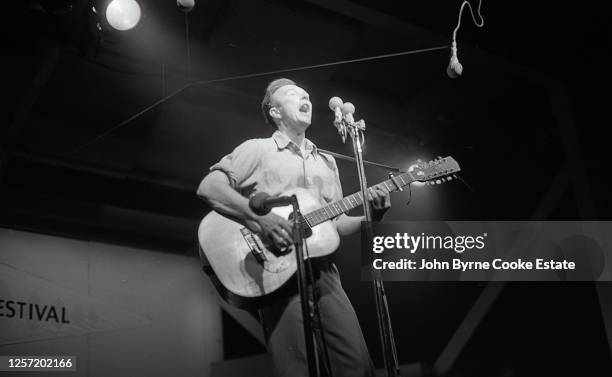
(356, 130)
(307, 299)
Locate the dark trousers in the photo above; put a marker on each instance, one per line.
(282, 322)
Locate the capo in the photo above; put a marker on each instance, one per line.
(395, 182)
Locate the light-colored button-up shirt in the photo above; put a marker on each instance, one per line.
(276, 164)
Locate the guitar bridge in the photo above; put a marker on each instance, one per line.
(257, 248)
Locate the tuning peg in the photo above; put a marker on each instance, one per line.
(449, 178)
(438, 181)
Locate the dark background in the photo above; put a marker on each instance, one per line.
(527, 122)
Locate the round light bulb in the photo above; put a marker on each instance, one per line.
(185, 5)
(123, 14)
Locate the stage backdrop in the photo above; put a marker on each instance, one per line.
(121, 311)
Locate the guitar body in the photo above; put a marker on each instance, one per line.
(246, 263)
(249, 269)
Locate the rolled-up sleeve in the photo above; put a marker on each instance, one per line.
(240, 166)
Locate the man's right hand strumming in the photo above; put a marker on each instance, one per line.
(215, 189)
(276, 228)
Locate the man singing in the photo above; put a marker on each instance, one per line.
(285, 161)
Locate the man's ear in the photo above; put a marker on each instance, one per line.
(274, 113)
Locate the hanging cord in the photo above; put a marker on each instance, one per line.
(479, 24)
(455, 68)
(365, 162)
(465, 183)
(455, 62)
(188, 46)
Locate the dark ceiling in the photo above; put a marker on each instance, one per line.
(526, 108)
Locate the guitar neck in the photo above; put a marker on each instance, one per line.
(334, 209)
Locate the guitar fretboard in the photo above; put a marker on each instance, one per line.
(334, 209)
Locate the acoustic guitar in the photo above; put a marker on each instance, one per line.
(247, 266)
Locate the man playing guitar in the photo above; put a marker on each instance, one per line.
(288, 160)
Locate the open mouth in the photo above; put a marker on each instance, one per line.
(305, 108)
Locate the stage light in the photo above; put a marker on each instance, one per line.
(185, 5)
(123, 14)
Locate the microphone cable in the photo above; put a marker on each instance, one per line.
(455, 68)
(479, 24)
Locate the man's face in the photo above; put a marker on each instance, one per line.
(293, 105)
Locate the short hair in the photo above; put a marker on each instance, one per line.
(265, 103)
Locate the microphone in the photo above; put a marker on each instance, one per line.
(335, 103)
(454, 69)
(348, 109)
(262, 203)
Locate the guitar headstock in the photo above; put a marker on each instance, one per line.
(435, 171)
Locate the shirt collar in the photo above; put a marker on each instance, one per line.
(283, 141)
